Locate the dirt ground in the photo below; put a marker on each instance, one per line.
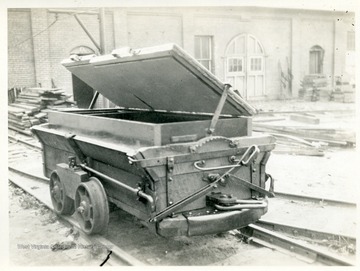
(33, 229)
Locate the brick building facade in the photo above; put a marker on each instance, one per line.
(258, 50)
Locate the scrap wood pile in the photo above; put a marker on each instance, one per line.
(304, 139)
(28, 106)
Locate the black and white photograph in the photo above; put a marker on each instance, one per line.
(180, 134)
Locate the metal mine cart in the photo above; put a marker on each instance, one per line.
(177, 152)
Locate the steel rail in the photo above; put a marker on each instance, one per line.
(118, 255)
(325, 201)
(36, 177)
(24, 142)
(305, 232)
(274, 240)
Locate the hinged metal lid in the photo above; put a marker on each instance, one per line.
(156, 78)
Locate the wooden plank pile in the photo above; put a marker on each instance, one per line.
(304, 139)
(20, 119)
(52, 98)
(26, 110)
(314, 87)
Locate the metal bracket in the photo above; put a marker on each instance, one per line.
(70, 139)
(72, 162)
(170, 164)
(254, 187)
(219, 108)
(170, 169)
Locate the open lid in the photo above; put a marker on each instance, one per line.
(156, 78)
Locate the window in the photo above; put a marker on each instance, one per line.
(235, 64)
(351, 41)
(316, 60)
(203, 51)
(256, 64)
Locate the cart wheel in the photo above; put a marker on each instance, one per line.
(63, 205)
(92, 208)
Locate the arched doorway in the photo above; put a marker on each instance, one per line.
(245, 65)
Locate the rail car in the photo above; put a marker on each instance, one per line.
(176, 152)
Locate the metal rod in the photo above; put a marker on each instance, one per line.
(218, 109)
(87, 31)
(68, 11)
(183, 202)
(135, 191)
(102, 30)
(94, 99)
(253, 186)
(240, 162)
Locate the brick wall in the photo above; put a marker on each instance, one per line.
(286, 35)
(21, 65)
(41, 27)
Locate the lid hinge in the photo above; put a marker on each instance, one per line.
(218, 110)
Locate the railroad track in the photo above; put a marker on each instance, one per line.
(262, 233)
(324, 201)
(264, 237)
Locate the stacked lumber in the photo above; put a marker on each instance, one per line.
(52, 97)
(314, 87)
(29, 107)
(21, 120)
